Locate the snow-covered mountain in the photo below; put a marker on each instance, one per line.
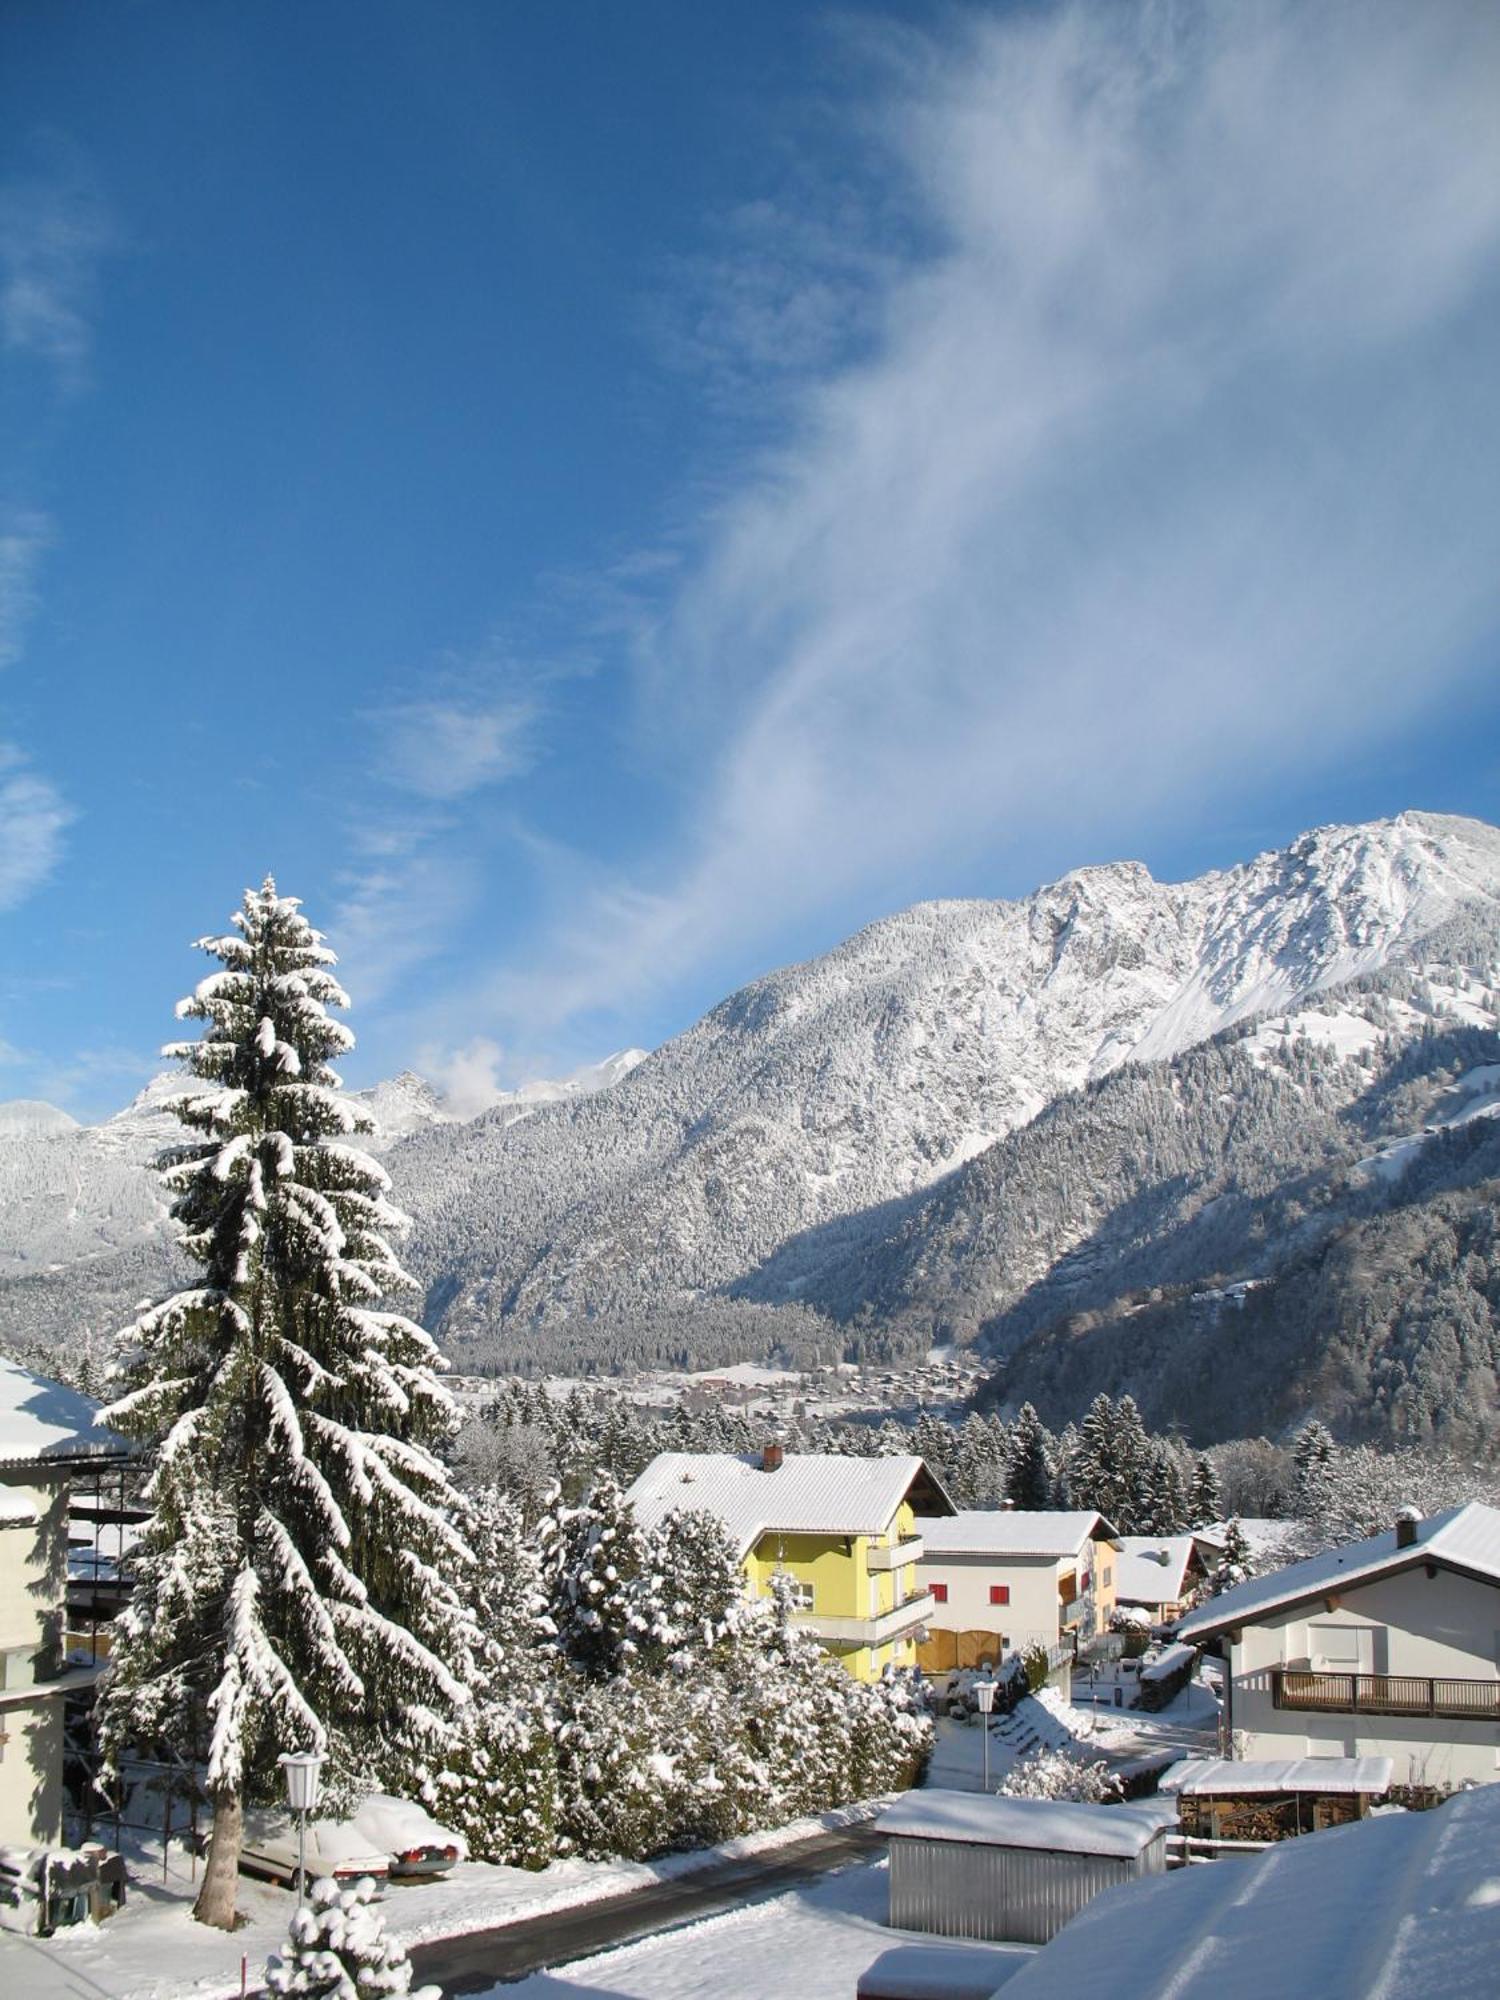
(766, 1152)
(813, 1096)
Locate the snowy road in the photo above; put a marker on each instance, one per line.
(473, 1965)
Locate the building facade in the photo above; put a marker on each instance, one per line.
(1002, 1580)
(1386, 1648)
(846, 1535)
(47, 1437)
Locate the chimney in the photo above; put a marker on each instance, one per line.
(771, 1456)
(1408, 1520)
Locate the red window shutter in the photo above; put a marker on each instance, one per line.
(939, 1593)
(999, 1593)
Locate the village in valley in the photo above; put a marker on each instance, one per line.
(749, 1000)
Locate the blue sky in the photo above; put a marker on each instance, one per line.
(605, 499)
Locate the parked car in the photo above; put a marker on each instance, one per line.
(334, 1848)
(413, 1841)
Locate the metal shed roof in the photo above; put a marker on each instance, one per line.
(1052, 1826)
(809, 1493)
(1219, 1778)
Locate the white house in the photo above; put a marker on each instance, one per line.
(1002, 1580)
(47, 1437)
(1386, 1648)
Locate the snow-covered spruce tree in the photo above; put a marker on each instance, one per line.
(296, 1582)
(337, 1949)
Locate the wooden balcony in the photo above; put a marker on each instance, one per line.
(1385, 1694)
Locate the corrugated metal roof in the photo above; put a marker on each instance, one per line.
(42, 1421)
(809, 1492)
(1218, 1777)
(1407, 1907)
(1468, 1536)
(1150, 1568)
(1052, 1826)
(1008, 1531)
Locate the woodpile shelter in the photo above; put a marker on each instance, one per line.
(1274, 1799)
(968, 1865)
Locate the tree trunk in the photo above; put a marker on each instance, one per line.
(221, 1874)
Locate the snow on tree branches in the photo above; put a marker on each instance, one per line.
(298, 1582)
(337, 1949)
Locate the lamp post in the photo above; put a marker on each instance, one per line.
(304, 1769)
(984, 1693)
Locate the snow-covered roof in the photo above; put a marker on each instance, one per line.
(809, 1493)
(42, 1421)
(1150, 1569)
(1219, 1777)
(1406, 1906)
(1466, 1537)
(1051, 1826)
(16, 1511)
(1009, 1531)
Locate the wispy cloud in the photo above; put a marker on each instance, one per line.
(24, 537)
(445, 749)
(33, 818)
(54, 229)
(1170, 469)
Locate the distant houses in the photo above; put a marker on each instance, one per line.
(47, 1438)
(1384, 1648)
(844, 1532)
(1002, 1580)
(1161, 1574)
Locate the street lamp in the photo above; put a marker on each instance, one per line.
(304, 1769)
(984, 1694)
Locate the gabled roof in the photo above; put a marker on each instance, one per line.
(1466, 1538)
(1404, 1906)
(43, 1422)
(809, 1493)
(1009, 1531)
(1152, 1569)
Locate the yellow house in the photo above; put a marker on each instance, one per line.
(845, 1531)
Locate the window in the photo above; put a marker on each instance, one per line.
(939, 1592)
(1107, 1578)
(999, 1593)
(801, 1595)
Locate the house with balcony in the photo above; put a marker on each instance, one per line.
(844, 1532)
(1384, 1648)
(1004, 1579)
(48, 1439)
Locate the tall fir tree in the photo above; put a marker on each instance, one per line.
(296, 1584)
(1204, 1497)
(1029, 1474)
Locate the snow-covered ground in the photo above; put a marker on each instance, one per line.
(154, 1951)
(814, 1942)
(1093, 1729)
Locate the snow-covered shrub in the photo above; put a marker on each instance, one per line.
(497, 1784)
(1060, 1774)
(1034, 1662)
(337, 1949)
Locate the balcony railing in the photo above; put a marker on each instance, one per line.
(1385, 1694)
(910, 1551)
(876, 1631)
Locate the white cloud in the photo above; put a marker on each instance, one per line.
(445, 749)
(24, 537)
(33, 818)
(395, 915)
(1173, 470)
(53, 232)
(469, 1078)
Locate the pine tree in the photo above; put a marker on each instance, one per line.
(1204, 1498)
(1029, 1476)
(337, 1949)
(295, 1582)
(1234, 1564)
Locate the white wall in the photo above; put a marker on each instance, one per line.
(1034, 1612)
(33, 1581)
(1445, 1626)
